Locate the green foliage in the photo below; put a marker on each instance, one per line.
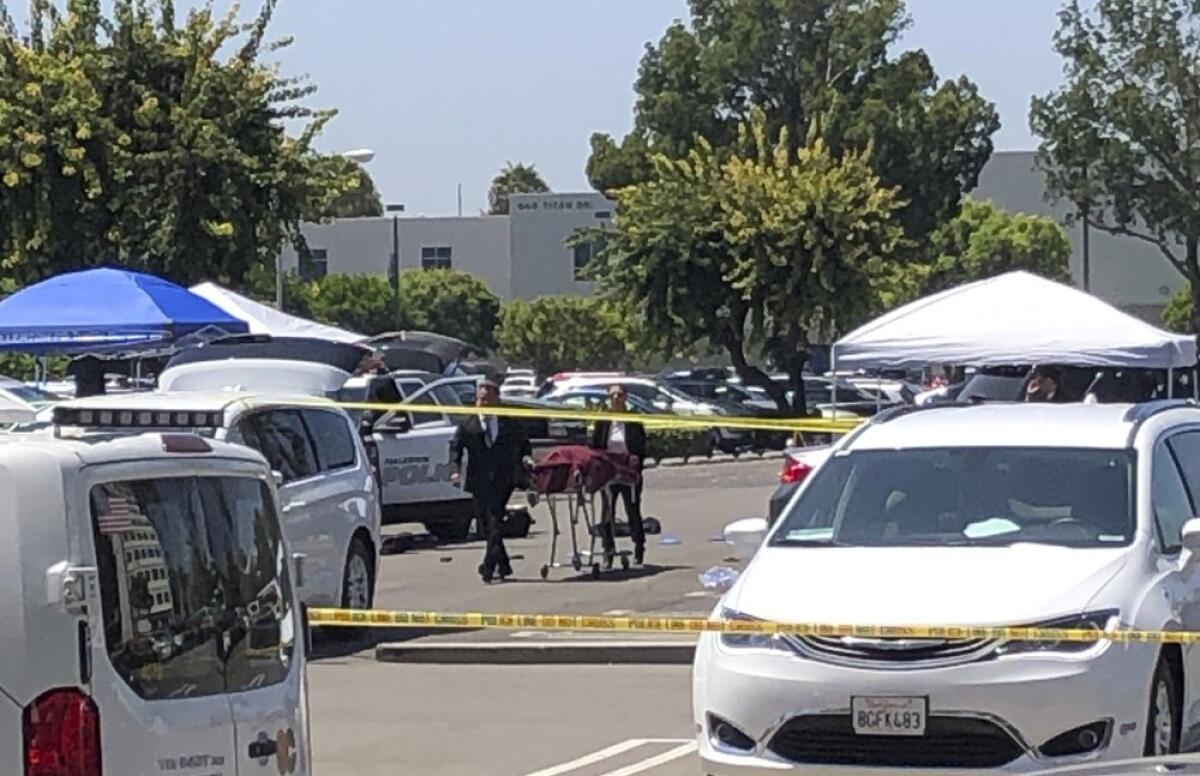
(764, 245)
(361, 303)
(984, 241)
(127, 137)
(359, 200)
(804, 61)
(1177, 315)
(682, 443)
(558, 333)
(1119, 137)
(449, 302)
(513, 179)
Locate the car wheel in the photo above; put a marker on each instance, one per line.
(1162, 723)
(358, 579)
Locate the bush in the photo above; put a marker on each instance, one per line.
(559, 333)
(682, 443)
(449, 302)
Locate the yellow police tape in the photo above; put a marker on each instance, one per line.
(683, 625)
(811, 425)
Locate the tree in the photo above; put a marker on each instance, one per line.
(798, 61)
(557, 333)
(457, 304)
(358, 201)
(130, 138)
(361, 303)
(1177, 315)
(1121, 138)
(513, 179)
(764, 246)
(984, 241)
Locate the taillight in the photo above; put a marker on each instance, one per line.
(62, 735)
(793, 471)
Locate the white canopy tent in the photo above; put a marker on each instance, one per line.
(1012, 319)
(264, 319)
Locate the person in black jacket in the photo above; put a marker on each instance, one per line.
(630, 439)
(496, 450)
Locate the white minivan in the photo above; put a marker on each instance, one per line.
(149, 624)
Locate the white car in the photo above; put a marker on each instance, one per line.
(1078, 516)
(150, 625)
(330, 503)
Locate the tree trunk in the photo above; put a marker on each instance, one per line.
(795, 371)
(752, 375)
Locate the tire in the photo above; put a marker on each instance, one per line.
(450, 530)
(1164, 716)
(358, 577)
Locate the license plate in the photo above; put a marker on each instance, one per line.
(889, 716)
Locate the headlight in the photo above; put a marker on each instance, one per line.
(747, 640)
(1098, 621)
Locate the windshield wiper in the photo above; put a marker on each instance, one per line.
(810, 543)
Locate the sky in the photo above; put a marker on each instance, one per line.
(445, 92)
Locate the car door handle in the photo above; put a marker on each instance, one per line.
(288, 507)
(262, 749)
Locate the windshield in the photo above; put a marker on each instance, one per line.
(31, 395)
(965, 497)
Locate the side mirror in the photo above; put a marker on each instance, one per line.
(278, 477)
(400, 424)
(746, 536)
(1191, 536)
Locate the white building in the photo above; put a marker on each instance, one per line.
(524, 254)
(521, 255)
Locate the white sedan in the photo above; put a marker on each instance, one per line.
(1058, 515)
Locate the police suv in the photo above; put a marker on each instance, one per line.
(149, 624)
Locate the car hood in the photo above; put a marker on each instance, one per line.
(923, 585)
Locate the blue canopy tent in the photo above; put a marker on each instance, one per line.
(107, 311)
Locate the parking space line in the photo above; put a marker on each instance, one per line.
(591, 759)
(655, 761)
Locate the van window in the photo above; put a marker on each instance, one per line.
(332, 439)
(1172, 508)
(192, 578)
(283, 440)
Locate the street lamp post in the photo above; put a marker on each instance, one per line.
(358, 156)
(394, 264)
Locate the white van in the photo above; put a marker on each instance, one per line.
(149, 624)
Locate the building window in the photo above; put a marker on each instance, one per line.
(435, 257)
(314, 264)
(603, 214)
(584, 253)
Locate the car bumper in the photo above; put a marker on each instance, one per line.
(1031, 698)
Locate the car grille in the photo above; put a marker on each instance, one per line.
(890, 653)
(949, 742)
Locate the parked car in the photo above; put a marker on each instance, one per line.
(798, 464)
(1068, 516)
(662, 396)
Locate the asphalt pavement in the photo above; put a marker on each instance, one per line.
(379, 719)
(693, 503)
(371, 717)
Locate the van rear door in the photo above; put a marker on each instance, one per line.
(167, 610)
(264, 665)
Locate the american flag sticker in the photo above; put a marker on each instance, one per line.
(117, 519)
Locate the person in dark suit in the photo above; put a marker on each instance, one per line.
(627, 439)
(496, 450)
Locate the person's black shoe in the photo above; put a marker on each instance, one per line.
(506, 571)
(484, 574)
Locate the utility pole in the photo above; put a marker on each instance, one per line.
(394, 264)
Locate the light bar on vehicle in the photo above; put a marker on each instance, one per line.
(102, 418)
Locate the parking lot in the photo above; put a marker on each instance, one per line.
(372, 717)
